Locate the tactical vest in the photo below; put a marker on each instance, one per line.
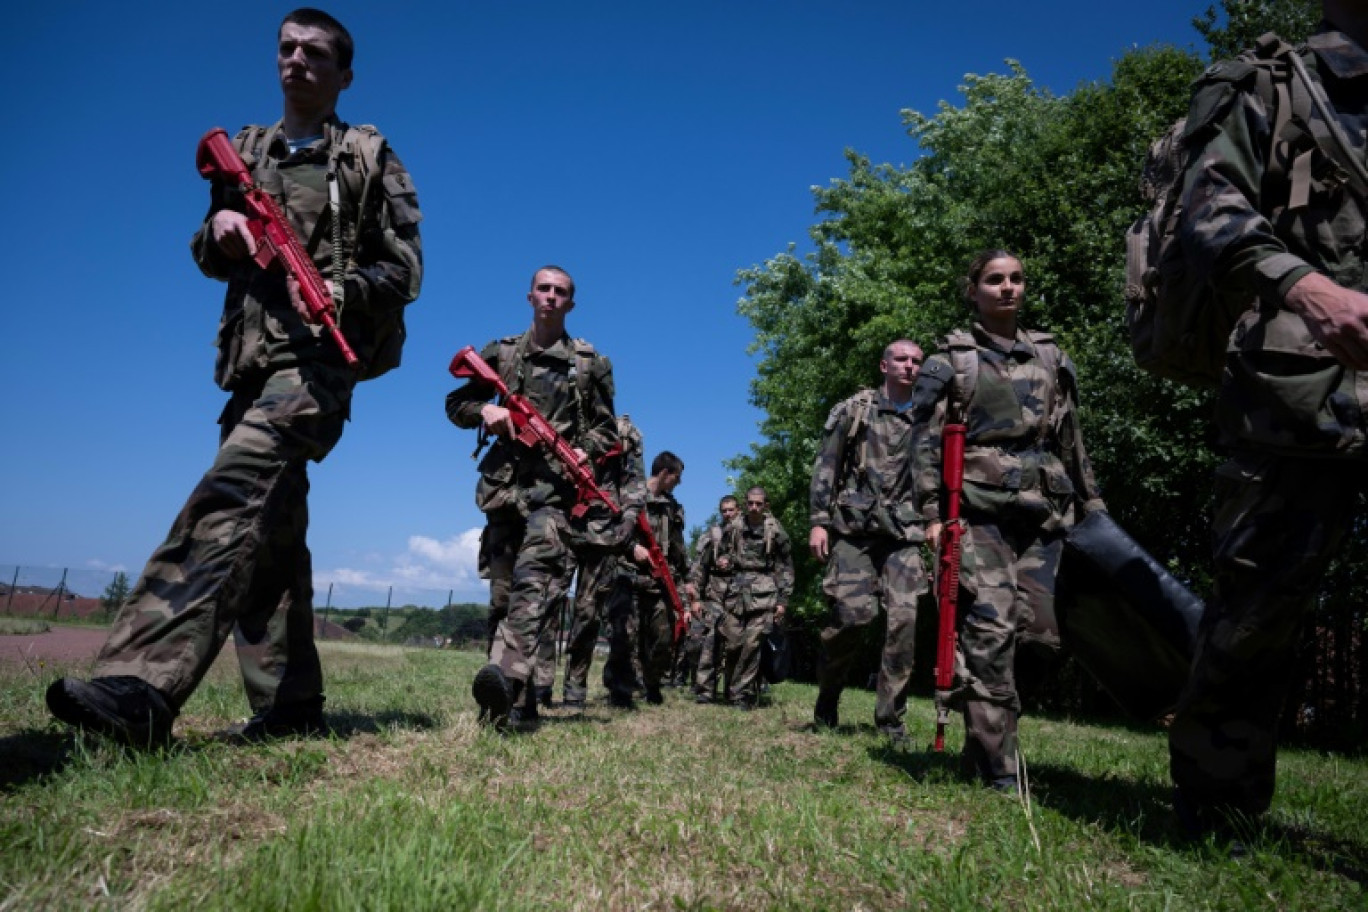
(770, 528)
(497, 488)
(354, 164)
(963, 351)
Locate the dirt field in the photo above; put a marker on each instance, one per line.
(60, 644)
(74, 644)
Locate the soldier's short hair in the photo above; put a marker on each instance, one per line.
(666, 461)
(759, 490)
(551, 267)
(728, 497)
(308, 17)
(888, 349)
(976, 265)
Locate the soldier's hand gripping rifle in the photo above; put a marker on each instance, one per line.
(275, 236)
(660, 569)
(948, 570)
(533, 430)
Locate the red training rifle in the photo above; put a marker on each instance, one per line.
(275, 236)
(948, 571)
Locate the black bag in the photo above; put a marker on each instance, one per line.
(1129, 622)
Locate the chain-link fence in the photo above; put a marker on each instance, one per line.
(86, 593)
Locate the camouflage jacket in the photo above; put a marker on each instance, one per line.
(707, 577)
(622, 474)
(572, 386)
(761, 557)
(666, 516)
(1023, 449)
(1281, 390)
(862, 482)
(381, 263)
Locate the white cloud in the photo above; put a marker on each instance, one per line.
(423, 574)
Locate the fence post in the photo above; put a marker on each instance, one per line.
(326, 606)
(10, 600)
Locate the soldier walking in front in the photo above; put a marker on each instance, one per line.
(236, 560)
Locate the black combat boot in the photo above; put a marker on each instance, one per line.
(124, 709)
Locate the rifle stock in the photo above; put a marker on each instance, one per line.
(948, 572)
(534, 430)
(275, 236)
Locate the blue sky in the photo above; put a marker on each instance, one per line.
(653, 149)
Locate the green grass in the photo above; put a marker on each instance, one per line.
(15, 626)
(411, 805)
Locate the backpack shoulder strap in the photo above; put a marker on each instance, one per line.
(253, 140)
(585, 356)
(511, 349)
(963, 351)
(1052, 356)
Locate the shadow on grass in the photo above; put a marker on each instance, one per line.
(350, 724)
(918, 761)
(32, 755)
(1144, 811)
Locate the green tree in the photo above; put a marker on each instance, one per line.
(115, 594)
(1055, 180)
(1240, 22)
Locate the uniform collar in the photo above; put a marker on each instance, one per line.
(988, 340)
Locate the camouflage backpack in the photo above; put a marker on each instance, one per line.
(1179, 322)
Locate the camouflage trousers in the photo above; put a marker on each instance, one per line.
(710, 652)
(1278, 521)
(687, 652)
(861, 576)
(542, 568)
(748, 616)
(235, 560)
(602, 590)
(640, 639)
(1008, 575)
(499, 543)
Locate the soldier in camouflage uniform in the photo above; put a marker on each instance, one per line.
(866, 529)
(1291, 406)
(709, 579)
(235, 560)
(603, 588)
(651, 635)
(762, 580)
(1026, 481)
(528, 548)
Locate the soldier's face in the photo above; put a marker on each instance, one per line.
(755, 507)
(309, 74)
(729, 510)
(1000, 288)
(551, 294)
(669, 481)
(902, 364)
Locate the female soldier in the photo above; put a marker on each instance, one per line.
(1026, 481)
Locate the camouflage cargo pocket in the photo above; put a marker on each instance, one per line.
(495, 490)
(1285, 393)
